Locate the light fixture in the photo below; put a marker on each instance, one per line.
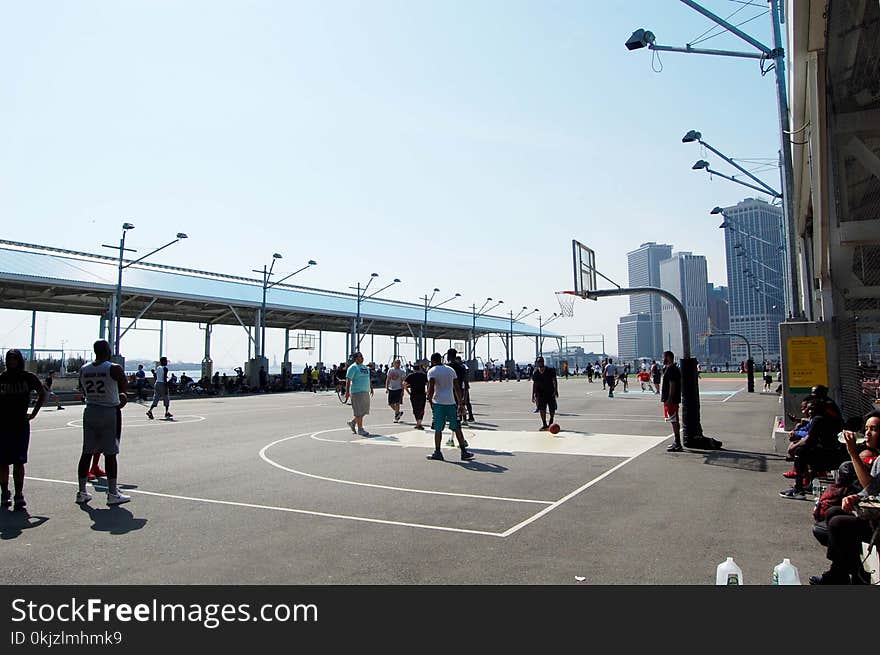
(181, 235)
(128, 226)
(312, 262)
(691, 136)
(641, 38)
(700, 164)
(716, 210)
(276, 256)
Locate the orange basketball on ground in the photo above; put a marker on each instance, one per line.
(554, 428)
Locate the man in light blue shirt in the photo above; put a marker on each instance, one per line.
(359, 388)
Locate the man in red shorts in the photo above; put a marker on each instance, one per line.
(670, 396)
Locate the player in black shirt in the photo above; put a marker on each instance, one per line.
(16, 386)
(414, 384)
(545, 390)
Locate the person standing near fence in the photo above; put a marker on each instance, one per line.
(161, 390)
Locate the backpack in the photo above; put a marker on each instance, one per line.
(831, 497)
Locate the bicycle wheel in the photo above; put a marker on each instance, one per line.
(340, 393)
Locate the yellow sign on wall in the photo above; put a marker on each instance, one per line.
(807, 363)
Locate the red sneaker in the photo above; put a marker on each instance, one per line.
(790, 474)
(91, 477)
(97, 472)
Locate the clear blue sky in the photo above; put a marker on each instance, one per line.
(452, 144)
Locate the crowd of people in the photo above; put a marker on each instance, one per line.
(841, 476)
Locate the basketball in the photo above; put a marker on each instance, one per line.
(554, 428)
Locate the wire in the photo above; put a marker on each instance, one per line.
(799, 130)
(654, 67)
(714, 27)
(723, 29)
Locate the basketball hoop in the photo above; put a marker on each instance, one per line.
(566, 302)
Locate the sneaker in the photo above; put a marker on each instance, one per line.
(400, 415)
(793, 494)
(674, 448)
(351, 425)
(19, 503)
(169, 415)
(544, 429)
(90, 477)
(611, 395)
(117, 499)
(535, 411)
(363, 433)
(829, 578)
(419, 427)
(464, 443)
(59, 407)
(83, 497)
(790, 474)
(450, 442)
(98, 472)
(437, 455)
(150, 414)
(466, 455)
(5, 499)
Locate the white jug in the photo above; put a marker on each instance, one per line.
(728, 573)
(785, 573)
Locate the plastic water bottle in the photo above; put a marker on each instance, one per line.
(817, 487)
(728, 573)
(786, 573)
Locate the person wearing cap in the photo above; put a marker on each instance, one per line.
(358, 388)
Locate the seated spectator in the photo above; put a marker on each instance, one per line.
(818, 451)
(846, 532)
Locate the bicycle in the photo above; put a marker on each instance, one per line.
(340, 392)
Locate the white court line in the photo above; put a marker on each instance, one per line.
(733, 394)
(77, 423)
(266, 459)
(519, 526)
(290, 510)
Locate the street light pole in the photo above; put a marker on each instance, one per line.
(361, 296)
(429, 306)
(266, 286)
(521, 313)
(643, 38)
(116, 324)
(481, 312)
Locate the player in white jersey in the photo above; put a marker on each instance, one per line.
(104, 385)
(161, 390)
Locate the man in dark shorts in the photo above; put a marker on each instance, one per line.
(656, 372)
(104, 385)
(16, 385)
(670, 396)
(415, 385)
(394, 388)
(545, 391)
(453, 361)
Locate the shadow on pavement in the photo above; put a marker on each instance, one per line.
(745, 461)
(481, 467)
(115, 520)
(13, 523)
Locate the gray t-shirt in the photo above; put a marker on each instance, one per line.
(394, 379)
(444, 377)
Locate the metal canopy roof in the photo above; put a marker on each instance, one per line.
(55, 280)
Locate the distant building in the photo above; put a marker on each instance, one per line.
(635, 337)
(718, 349)
(755, 276)
(685, 276)
(643, 337)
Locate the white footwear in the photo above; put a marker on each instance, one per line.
(83, 497)
(117, 499)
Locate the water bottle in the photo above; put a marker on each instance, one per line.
(817, 487)
(785, 573)
(728, 573)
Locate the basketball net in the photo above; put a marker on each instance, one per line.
(566, 302)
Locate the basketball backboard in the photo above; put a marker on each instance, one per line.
(584, 268)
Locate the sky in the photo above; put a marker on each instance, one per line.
(459, 145)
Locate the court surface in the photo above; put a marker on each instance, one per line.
(275, 489)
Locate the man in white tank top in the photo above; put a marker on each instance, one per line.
(104, 385)
(161, 390)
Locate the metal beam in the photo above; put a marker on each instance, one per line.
(143, 311)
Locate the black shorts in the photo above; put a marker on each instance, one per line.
(14, 442)
(395, 396)
(418, 406)
(545, 402)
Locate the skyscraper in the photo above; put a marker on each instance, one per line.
(755, 276)
(641, 337)
(685, 276)
(718, 349)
